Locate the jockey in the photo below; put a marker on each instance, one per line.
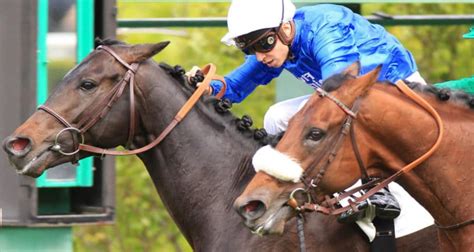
(314, 43)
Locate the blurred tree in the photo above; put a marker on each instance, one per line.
(440, 51)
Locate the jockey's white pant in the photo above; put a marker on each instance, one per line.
(413, 216)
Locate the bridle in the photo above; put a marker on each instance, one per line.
(331, 206)
(100, 109)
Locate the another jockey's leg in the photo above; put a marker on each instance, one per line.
(385, 204)
(277, 117)
(413, 217)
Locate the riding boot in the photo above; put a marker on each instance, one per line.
(351, 215)
(386, 207)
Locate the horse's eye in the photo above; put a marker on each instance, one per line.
(315, 134)
(87, 85)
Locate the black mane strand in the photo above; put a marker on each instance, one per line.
(443, 94)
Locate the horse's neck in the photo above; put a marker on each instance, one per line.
(194, 166)
(407, 132)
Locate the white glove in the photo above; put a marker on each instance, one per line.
(192, 73)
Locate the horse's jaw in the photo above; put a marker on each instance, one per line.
(37, 161)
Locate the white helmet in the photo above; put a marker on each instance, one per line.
(246, 16)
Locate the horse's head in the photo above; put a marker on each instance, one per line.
(302, 153)
(81, 108)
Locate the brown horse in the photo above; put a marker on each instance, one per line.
(193, 168)
(391, 130)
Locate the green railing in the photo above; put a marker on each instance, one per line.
(380, 18)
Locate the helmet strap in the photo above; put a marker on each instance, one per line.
(285, 39)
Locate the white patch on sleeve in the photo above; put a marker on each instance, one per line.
(277, 164)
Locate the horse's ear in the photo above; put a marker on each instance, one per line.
(361, 85)
(353, 69)
(142, 52)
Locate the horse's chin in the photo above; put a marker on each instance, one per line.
(36, 165)
(273, 223)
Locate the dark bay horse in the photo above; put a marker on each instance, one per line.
(391, 130)
(194, 169)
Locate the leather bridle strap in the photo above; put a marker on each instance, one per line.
(55, 115)
(323, 93)
(363, 170)
(334, 148)
(209, 71)
(130, 78)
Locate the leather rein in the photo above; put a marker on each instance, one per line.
(331, 206)
(100, 109)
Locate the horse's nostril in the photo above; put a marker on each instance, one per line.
(17, 146)
(252, 206)
(252, 209)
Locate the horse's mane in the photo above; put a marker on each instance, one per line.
(443, 94)
(244, 171)
(220, 107)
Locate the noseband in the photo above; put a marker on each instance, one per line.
(92, 116)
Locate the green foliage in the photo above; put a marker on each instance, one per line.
(440, 51)
(142, 223)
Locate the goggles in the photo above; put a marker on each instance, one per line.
(258, 41)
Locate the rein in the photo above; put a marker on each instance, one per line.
(329, 205)
(100, 110)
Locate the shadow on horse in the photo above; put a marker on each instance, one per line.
(199, 169)
(387, 131)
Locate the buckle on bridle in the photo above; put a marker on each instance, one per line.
(292, 202)
(57, 146)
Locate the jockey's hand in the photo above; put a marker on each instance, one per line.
(195, 77)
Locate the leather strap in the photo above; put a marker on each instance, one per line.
(363, 170)
(224, 86)
(209, 71)
(56, 115)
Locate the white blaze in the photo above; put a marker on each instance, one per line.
(277, 164)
